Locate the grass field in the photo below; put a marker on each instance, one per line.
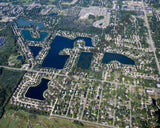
(21, 119)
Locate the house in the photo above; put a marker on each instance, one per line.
(158, 84)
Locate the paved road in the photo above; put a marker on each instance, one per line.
(71, 3)
(94, 123)
(53, 106)
(130, 106)
(84, 105)
(99, 106)
(31, 70)
(74, 76)
(115, 103)
(150, 38)
(71, 100)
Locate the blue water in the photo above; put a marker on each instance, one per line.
(27, 36)
(37, 92)
(19, 57)
(25, 23)
(1, 41)
(85, 59)
(88, 41)
(53, 59)
(118, 57)
(125, 7)
(35, 50)
(158, 110)
(53, 14)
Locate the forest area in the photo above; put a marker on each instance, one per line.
(9, 79)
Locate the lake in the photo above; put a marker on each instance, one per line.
(35, 50)
(37, 91)
(25, 23)
(158, 110)
(19, 58)
(85, 60)
(53, 59)
(108, 57)
(88, 41)
(27, 36)
(1, 41)
(53, 14)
